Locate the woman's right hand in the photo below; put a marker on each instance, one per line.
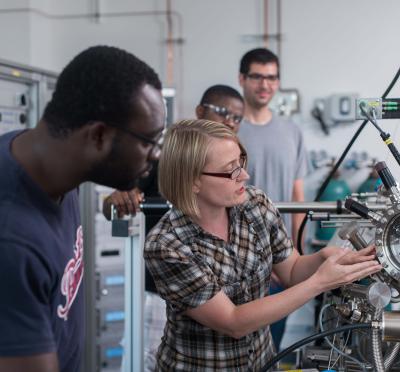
(346, 266)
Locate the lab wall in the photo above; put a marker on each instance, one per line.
(325, 46)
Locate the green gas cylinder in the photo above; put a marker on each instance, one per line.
(337, 189)
(370, 184)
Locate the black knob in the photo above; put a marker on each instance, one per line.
(385, 175)
(22, 100)
(357, 208)
(22, 118)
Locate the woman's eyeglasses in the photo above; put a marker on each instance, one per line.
(234, 175)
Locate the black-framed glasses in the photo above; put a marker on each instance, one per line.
(156, 143)
(224, 113)
(234, 175)
(259, 78)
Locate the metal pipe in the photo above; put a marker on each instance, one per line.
(279, 28)
(350, 232)
(128, 13)
(391, 355)
(341, 222)
(170, 46)
(304, 207)
(326, 216)
(390, 332)
(377, 345)
(96, 10)
(265, 19)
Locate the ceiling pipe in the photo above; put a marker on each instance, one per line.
(265, 24)
(170, 46)
(278, 35)
(279, 28)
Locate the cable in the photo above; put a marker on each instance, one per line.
(340, 352)
(331, 352)
(309, 339)
(336, 166)
(344, 347)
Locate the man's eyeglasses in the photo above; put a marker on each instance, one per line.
(234, 175)
(156, 142)
(259, 78)
(224, 113)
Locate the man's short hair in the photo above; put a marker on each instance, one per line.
(99, 84)
(259, 55)
(215, 92)
(183, 158)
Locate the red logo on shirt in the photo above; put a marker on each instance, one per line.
(72, 277)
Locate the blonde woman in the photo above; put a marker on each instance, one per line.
(212, 255)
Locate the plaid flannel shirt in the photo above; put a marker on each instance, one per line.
(190, 266)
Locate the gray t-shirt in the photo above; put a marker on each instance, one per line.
(276, 158)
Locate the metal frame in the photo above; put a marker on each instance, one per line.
(134, 297)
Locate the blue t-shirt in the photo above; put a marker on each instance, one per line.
(41, 268)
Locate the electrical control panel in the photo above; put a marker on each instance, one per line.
(383, 108)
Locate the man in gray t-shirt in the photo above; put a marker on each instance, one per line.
(276, 153)
(277, 156)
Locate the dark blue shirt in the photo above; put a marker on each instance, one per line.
(41, 268)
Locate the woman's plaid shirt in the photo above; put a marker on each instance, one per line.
(190, 266)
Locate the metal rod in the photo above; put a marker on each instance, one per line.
(340, 223)
(304, 207)
(326, 216)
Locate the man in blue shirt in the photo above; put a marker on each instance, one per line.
(103, 124)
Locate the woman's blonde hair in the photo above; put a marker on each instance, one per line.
(183, 158)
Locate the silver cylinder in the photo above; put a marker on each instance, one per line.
(350, 232)
(391, 326)
(377, 294)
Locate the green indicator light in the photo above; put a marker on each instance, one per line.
(389, 108)
(390, 103)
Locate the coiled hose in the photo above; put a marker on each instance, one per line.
(382, 364)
